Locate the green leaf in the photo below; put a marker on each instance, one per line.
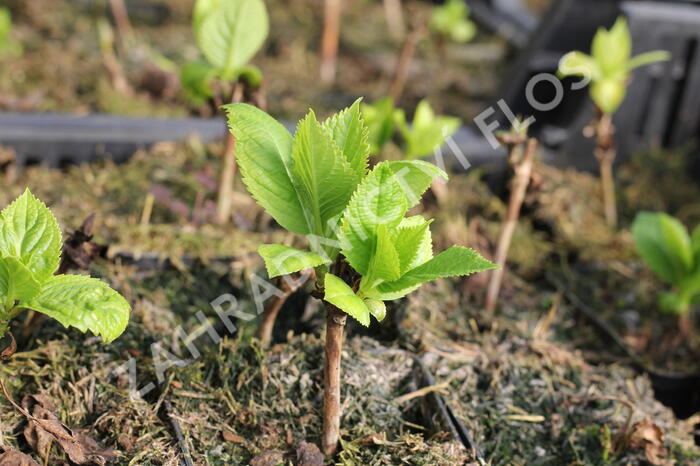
(456, 261)
(579, 64)
(380, 122)
(196, 78)
(385, 264)
(283, 260)
(230, 33)
(202, 9)
(339, 294)
(608, 94)
(84, 303)
(30, 233)
(379, 199)
(664, 245)
(648, 58)
(16, 282)
(413, 242)
(376, 308)
(451, 20)
(263, 150)
(695, 242)
(351, 135)
(612, 49)
(325, 175)
(428, 131)
(415, 177)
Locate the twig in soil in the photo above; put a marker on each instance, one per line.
(523, 163)
(178, 434)
(224, 202)
(605, 153)
(437, 388)
(394, 19)
(10, 350)
(335, 325)
(121, 19)
(330, 40)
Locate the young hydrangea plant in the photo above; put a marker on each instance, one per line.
(673, 254)
(363, 247)
(451, 20)
(427, 132)
(30, 254)
(608, 70)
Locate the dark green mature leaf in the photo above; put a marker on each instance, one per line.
(379, 199)
(84, 303)
(664, 244)
(456, 261)
(339, 294)
(30, 233)
(230, 33)
(16, 282)
(283, 260)
(324, 173)
(351, 135)
(263, 148)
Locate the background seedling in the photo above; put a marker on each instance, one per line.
(229, 34)
(609, 70)
(673, 255)
(363, 248)
(30, 254)
(8, 45)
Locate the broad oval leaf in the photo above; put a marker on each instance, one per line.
(16, 282)
(664, 245)
(230, 33)
(263, 150)
(377, 308)
(339, 294)
(196, 78)
(608, 94)
(455, 261)
(84, 303)
(30, 233)
(284, 260)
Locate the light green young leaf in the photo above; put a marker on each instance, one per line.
(84, 303)
(230, 33)
(263, 149)
(456, 261)
(413, 242)
(648, 58)
(196, 79)
(351, 135)
(339, 294)
(380, 120)
(30, 233)
(415, 177)
(16, 282)
(385, 264)
(579, 64)
(428, 131)
(609, 93)
(325, 175)
(695, 242)
(202, 9)
(664, 245)
(612, 48)
(376, 308)
(283, 260)
(379, 199)
(451, 20)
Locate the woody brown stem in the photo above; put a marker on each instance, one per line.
(335, 325)
(273, 308)
(606, 153)
(330, 40)
(394, 19)
(521, 180)
(224, 201)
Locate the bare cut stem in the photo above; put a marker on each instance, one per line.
(521, 180)
(394, 19)
(606, 153)
(330, 40)
(335, 325)
(406, 56)
(224, 202)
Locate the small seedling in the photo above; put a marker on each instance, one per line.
(451, 21)
(229, 33)
(380, 119)
(608, 69)
(673, 255)
(363, 248)
(8, 45)
(30, 253)
(427, 133)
